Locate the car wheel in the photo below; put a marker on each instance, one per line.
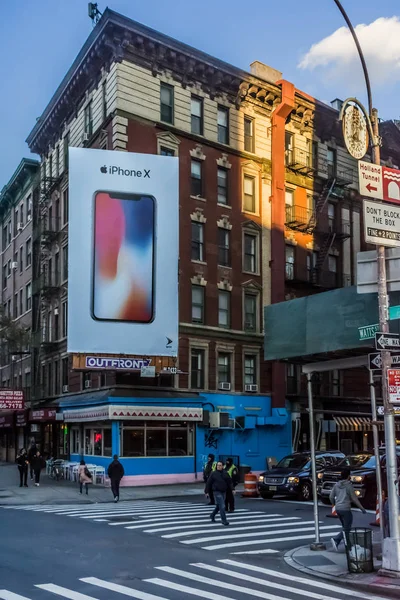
(266, 495)
(325, 500)
(305, 492)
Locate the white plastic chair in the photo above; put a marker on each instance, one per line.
(100, 474)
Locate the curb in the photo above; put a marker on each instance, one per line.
(86, 502)
(371, 588)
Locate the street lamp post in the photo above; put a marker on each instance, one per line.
(391, 545)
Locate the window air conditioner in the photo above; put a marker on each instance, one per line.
(88, 384)
(20, 227)
(219, 419)
(14, 265)
(65, 389)
(224, 386)
(251, 387)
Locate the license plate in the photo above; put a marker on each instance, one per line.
(272, 488)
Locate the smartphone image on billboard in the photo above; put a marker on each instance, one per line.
(123, 257)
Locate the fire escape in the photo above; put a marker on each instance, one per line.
(308, 220)
(46, 277)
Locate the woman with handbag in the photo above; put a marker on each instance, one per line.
(84, 477)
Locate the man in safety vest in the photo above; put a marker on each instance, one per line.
(209, 467)
(232, 471)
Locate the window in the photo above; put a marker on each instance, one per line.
(224, 367)
(4, 276)
(21, 302)
(331, 162)
(289, 257)
(9, 268)
(249, 190)
(332, 263)
(65, 150)
(16, 222)
(222, 184)
(9, 233)
(57, 273)
(57, 161)
(56, 377)
(224, 308)
(156, 441)
(57, 213)
(292, 379)
(50, 378)
(104, 98)
(335, 382)
(9, 308)
(29, 209)
(28, 296)
(197, 304)
(196, 110)
(64, 318)
(224, 254)
(167, 103)
(289, 194)
(315, 155)
(248, 134)
(223, 125)
(65, 263)
(197, 241)
(4, 240)
(21, 259)
(102, 379)
(21, 213)
(28, 252)
(75, 441)
(64, 371)
(196, 178)
(331, 216)
(250, 369)
(250, 312)
(153, 438)
(98, 441)
(288, 147)
(197, 362)
(133, 442)
(88, 119)
(56, 325)
(311, 264)
(65, 206)
(15, 305)
(166, 151)
(51, 166)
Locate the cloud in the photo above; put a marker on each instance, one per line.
(337, 55)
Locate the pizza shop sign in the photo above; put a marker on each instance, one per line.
(11, 399)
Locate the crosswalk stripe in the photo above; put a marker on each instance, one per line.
(263, 582)
(266, 551)
(239, 521)
(6, 595)
(269, 541)
(256, 534)
(258, 527)
(183, 512)
(64, 592)
(190, 590)
(310, 582)
(133, 510)
(159, 521)
(120, 589)
(172, 521)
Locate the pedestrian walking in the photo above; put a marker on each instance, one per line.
(22, 462)
(219, 482)
(115, 473)
(341, 497)
(37, 463)
(84, 477)
(31, 454)
(232, 471)
(209, 467)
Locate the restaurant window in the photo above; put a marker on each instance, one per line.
(156, 438)
(196, 114)
(196, 181)
(248, 134)
(223, 125)
(167, 103)
(98, 441)
(222, 184)
(197, 361)
(224, 255)
(197, 241)
(75, 441)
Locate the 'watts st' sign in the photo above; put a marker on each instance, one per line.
(116, 364)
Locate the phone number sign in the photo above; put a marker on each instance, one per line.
(393, 376)
(11, 399)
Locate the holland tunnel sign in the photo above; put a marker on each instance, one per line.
(117, 364)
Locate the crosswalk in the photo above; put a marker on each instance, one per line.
(225, 580)
(250, 531)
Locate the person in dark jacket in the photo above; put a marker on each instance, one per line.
(232, 471)
(31, 454)
(219, 482)
(22, 462)
(37, 464)
(115, 473)
(342, 496)
(209, 467)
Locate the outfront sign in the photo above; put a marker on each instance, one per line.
(11, 399)
(381, 224)
(123, 253)
(393, 378)
(381, 183)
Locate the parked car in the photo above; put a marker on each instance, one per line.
(292, 475)
(363, 477)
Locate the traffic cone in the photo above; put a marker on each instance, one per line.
(377, 521)
(333, 514)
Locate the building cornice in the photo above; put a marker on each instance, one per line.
(26, 169)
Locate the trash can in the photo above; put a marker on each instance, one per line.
(243, 470)
(359, 550)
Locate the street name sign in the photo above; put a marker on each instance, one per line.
(387, 341)
(367, 332)
(381, 410)
(394, 313)
(381, 224)
(393, 378)
(375, 361)
(381, 183)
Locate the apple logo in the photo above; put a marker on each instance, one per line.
(103, 169)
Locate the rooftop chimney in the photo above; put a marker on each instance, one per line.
(258, 69)
(337, 104)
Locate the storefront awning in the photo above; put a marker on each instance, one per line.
(358, 424)
(132, 413)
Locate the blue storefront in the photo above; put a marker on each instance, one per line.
(166, 439)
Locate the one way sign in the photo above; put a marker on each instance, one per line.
(375, 361)
(387, 341)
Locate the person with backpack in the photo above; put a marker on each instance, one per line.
(232, 471)
(209, 467)
(341, 497)
(84, 477)
(115, 473)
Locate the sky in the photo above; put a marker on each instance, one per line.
(307, 41)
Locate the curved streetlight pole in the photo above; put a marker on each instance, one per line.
(391, 546)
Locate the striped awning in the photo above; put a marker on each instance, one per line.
(353, 423)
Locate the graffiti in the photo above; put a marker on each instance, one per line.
(211, 440)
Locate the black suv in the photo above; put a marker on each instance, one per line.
(292, 475)
(363, 477)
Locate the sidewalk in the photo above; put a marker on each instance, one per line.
(67, 492)
(332, 566)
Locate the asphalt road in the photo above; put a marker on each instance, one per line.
(158, 549)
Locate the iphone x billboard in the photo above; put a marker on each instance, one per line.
(123, 253)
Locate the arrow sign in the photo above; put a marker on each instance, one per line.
(169, 342)
(371, 188)
(375, 361)
(387, 341)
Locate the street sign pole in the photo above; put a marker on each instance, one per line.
(376, 445)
